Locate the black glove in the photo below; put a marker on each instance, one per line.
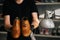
(32, 27)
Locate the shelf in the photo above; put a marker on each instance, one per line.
(1, 4)
(39, 3)
(56, 20)
(37, 35)
(3, 32)
(1, 18)
(52, 19)
(46, 36)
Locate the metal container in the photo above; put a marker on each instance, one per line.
(47, 23)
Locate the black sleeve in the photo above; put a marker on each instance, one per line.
(33, 6)
(6, 8)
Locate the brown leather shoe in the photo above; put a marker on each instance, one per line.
(15, 31)
(25, 27)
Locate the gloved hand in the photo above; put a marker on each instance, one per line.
(32, 27)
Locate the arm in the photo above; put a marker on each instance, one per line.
(35, 21)
(6, 14)
(34, 13)
(7, 22)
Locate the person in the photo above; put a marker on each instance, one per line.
(20, 8)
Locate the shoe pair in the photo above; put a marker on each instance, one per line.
(16, 29)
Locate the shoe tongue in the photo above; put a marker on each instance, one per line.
(25, 18)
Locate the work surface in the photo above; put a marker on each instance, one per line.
(3, 36)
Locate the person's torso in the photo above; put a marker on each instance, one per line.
(19, 10)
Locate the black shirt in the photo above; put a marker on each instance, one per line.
(24, 9)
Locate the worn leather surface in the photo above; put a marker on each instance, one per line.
(15, 31)
(25, 28)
